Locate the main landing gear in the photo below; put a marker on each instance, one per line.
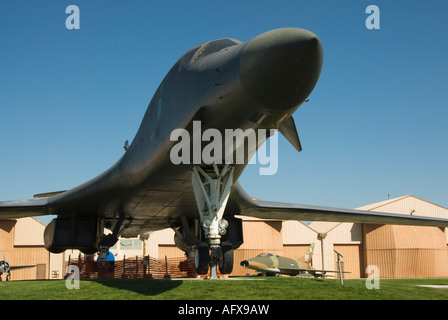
(212, 189)
(109, 240)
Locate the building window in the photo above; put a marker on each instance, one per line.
(130, 244)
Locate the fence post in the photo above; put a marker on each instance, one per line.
(147, 267)
(167, 276)
(123, 275)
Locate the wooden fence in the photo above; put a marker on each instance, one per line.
(137, 267)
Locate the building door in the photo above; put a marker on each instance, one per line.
(351, 261)
(40, 272)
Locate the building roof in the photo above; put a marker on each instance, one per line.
(408, 204)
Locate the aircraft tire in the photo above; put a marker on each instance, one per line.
(202, 258)
(226, 265)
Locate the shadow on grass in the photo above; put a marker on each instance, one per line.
(147, 287)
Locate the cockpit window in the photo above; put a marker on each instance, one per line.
(213, 46)
(263, 255)
(187, 57)
(184, 61)
(204, 50)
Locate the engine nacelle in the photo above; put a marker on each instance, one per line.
(72, 232)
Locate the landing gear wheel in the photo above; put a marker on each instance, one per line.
(226, 263)
(202, 258)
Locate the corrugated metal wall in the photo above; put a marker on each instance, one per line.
(406, 251)
(29, 232)
(22, 243)
(170, 251)
(6, 238)
(351, 260)
(26, 256)
(395, 249)
(56, 270)
(296, 251)
(165, 237)
(296, 232)
(263, 236)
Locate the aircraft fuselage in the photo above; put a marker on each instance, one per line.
(224, 84)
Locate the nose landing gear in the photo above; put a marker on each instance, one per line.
(221, 256)
(212, 191)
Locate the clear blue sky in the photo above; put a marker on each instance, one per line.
(376, 123)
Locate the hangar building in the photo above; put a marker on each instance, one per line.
(22, 244)
(398, 251)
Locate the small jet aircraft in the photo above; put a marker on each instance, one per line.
(217, 86)
(269, 264)
(6, 268)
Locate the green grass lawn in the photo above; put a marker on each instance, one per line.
(246, 289)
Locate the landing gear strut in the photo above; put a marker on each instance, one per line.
(112, 238)
(212, 190)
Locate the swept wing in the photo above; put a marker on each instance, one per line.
(289, 211)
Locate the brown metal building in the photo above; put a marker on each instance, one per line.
(21, 242)
(407, 251)
(398, 251)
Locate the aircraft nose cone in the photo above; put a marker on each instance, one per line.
(280, 68)
(254, 264)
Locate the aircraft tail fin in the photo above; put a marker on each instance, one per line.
(47, 194)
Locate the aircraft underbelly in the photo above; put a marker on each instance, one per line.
(154, 208)
(289, 272)
(156, 205)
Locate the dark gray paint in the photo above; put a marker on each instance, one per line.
(270, 75)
